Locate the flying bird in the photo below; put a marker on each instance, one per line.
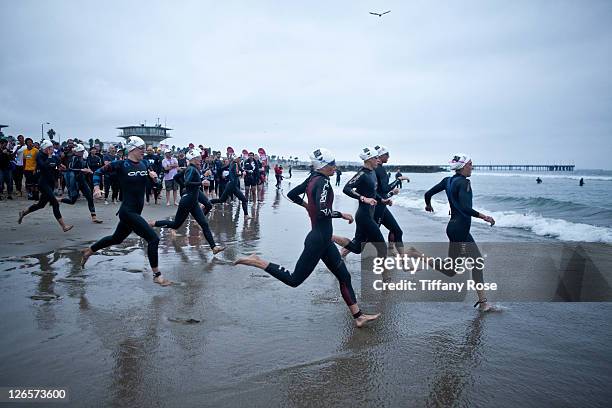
(380, 14)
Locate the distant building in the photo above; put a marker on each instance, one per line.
(152, 135)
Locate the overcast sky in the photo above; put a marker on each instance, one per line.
(505, 81)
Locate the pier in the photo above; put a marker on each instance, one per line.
(525, 167)
(435, 168)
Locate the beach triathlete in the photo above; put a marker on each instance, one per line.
(46, 165)
(459, 194)
(132, 174)
(79, 167)
(382, 215)
(362, 187)
(318, 244)
(251, 176)
(189, 202)
(233, 186)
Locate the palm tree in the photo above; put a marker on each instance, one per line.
(91, 143)
(51, 133)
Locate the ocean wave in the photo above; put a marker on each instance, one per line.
(544, 176)
(542, 226)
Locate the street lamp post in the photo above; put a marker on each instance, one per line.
(42, 129)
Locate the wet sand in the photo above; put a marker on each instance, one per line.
(233, 336)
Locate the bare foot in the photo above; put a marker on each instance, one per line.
(161, 281)
(21, 215)
(251, 260)
(247, 217)
(364, 319)
(217, 249)
(87, 252)
(67, 228)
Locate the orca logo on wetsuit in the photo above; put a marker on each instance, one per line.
(324, 192)
(137, 173)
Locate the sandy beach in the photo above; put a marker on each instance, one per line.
(233, 336)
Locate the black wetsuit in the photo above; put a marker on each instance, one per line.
(192, 181)
(132, 177)
(459, 194)
(364, 183)
(233, 187)
(179, 178)
(382, 215)
(94, 162)
(154, 187)
(76, 164)
(318, 244)
(218, 165)
(110, 180)
(46, 168)
(252, 173)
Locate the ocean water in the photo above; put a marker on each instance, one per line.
(558, 208)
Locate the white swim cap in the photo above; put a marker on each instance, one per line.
(134, 142)
(368, 153)
(193, 153)
(79, 148)
(45, 144)
(321, 158)
(459, 160)
(380, 150)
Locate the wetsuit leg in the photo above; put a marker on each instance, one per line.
(88, 196)
(38, 205)
(144, 230)
(116, 189)
(238, 193)
(47, 193)
(181, 214)
(107, 186)
(121, 233)
(472, 251)
(71, 199)
(462, 244)
(314, 248)
(367, 231)
(148, 190)
(198, 216)
(229, 187)
(332, 259)
(202, 199)
(395, 232)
